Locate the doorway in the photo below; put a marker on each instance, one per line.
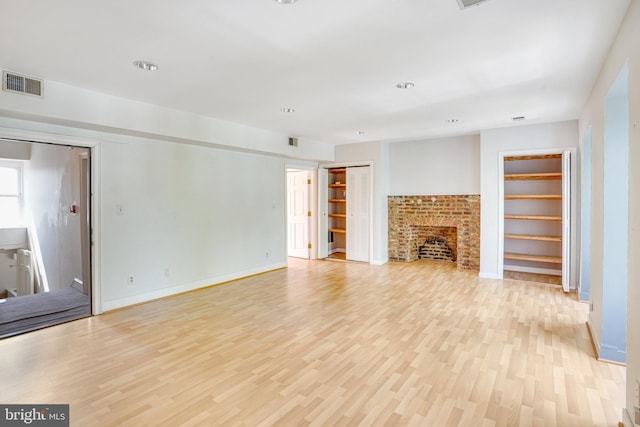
(50, 281)
(298, 213)
(536, 208)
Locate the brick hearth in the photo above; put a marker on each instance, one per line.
(410, 215)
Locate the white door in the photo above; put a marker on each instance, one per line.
(358, 208)
(323, 223)
(566, 220)
(298, 214)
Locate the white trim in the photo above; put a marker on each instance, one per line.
(346, 164)
(322, 218)
(566, 221)
(18, 166)
(96, 230)
(42, 137)
(501, 157)
(628, 421)
(161, 293)
(489, 276)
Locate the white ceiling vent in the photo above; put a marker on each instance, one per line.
(16, 83)
(464, 4)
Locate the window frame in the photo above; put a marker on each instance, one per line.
(19, 167)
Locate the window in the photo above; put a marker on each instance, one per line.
(11, 194)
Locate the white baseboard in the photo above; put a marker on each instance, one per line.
(161, 293)
(379, 262)
(628, 421)
(489, 276)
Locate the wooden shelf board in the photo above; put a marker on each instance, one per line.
(337, 201)
(534, 258)
(338, 230)
(533, 196)
(534, 157)
(337, 185)
(535, 217)
(335, 215)
(533, 237)
(338, 170)
(532, 176)
(533, 270)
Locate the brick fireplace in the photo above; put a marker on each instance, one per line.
(452, 221)
(438, 243)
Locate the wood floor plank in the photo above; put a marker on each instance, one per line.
(327, 344)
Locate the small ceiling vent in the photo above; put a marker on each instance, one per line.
(464, 4)
(16, 83)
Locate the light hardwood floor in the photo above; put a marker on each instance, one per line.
(327, 344)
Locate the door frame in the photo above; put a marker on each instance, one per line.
(323, 204)
(573, 176)
(311, 169)
(94, 146)
(309, 177)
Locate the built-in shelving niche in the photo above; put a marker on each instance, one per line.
(536, 215)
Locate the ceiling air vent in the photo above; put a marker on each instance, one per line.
(16, 83)
(464, 4)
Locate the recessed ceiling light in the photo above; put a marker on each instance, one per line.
(405, 85)
(452, 120)
(287, 110)
(285, 1)
(145, 65)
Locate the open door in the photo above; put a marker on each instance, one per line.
(323, 225)
(298, 213)
(358, 207)
(566, 221)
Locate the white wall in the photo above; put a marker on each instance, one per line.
(51, 187)
(435, 166)
(203, 198)
(206, 214)
(625, 48)
(15, 150)
(378, 154)
(532, 137)
(83, 109)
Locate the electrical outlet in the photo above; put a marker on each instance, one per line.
(167, 272)
(130, 280)
(266, 254)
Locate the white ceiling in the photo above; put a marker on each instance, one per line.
(336, 62)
